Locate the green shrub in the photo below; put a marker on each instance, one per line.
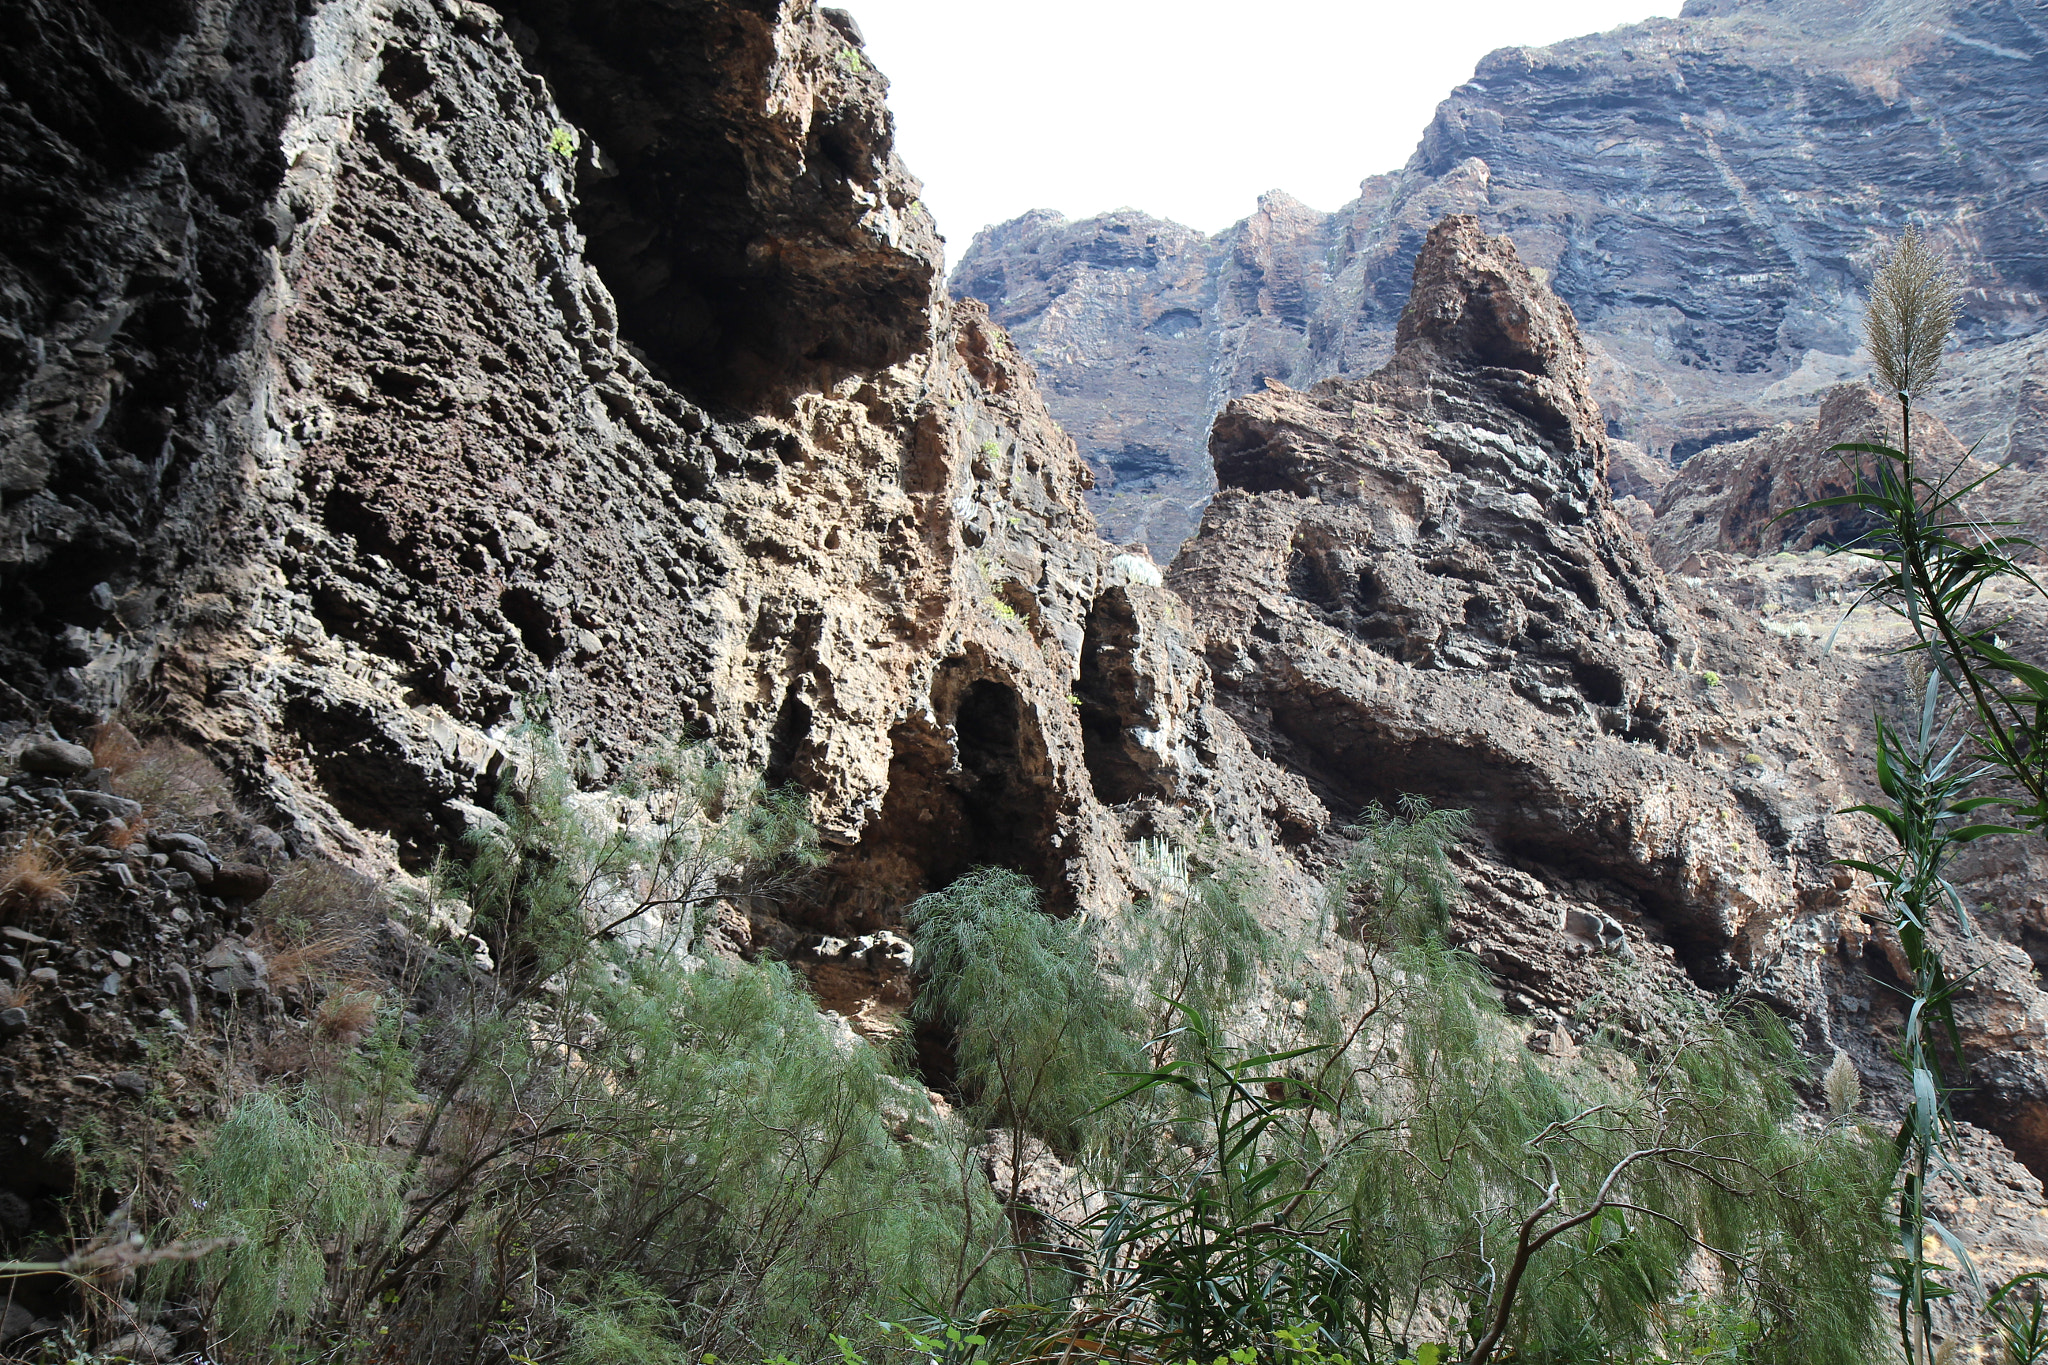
(278, 1179)
(1036, 1033)
(1388, 1160)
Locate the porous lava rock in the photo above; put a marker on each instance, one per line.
(387, 374)
(592, 358)
(1743, 498)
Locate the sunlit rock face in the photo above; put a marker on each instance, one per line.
(1710, 194)
(378, 375)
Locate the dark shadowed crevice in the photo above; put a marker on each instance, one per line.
(538, 628)
(787, 738)
(742, 260)
(370, 778)
(970, 785)
(1119, 767)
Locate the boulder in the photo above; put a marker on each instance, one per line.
(233, 968)
(240, 881)
(55, 758)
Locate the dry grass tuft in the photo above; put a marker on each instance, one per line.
(34, 875)
(309, 962)
(13, 996)
(319, 926)
(317, 899)
(345, 1018)
(114, 747)
(166, 776)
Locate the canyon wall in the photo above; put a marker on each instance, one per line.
(1710, 194)
(584, 363)
(382, 374)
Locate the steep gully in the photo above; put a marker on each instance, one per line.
(343, 409)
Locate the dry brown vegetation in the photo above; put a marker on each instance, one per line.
(346, 1017)
(35, 874)
(166, 776)
(114, 747)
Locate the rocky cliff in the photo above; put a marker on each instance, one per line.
(385, 374)
(1710, 194)
(422, 410)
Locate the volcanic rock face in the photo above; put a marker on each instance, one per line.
(136, 215)
(774, 492)
(1710, 194)
(1416, 583)
(414, 358)
(1740, 498)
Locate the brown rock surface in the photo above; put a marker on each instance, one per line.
(1739, 498)
(347, 443)
(503, 423)
(1416, 583)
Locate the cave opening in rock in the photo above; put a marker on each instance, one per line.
(970, 785)
(1118, 765)
(707, 280)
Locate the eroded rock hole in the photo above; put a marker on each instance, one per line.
(787, 738)
(1599, 683)
(537, 627)
(1119, 767)
(694, 181)
(970, 785)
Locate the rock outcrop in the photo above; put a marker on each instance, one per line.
(385, 374)
(1417, 583)
(492, 425)
(1686, 185)
(1740, 498)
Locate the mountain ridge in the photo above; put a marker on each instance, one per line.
(1710, 193)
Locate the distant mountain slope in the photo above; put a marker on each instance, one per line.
(1710, 194)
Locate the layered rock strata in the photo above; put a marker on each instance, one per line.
(1417, 583)
(1709, 193)
(775, 493)
(391, 387)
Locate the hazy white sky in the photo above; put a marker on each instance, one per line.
(1188, 109)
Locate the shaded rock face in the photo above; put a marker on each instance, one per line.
(1739, 498)
(441, 476)
(136, 211)
(1691, 187)
(746, 208)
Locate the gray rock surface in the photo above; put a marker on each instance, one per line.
(346, 445)
(55, 758)
(1687, 185)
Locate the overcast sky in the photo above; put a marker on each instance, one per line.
(1188, 109)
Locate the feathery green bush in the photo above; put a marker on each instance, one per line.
(281, 1181)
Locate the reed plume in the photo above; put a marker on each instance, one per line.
(1912, 311)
